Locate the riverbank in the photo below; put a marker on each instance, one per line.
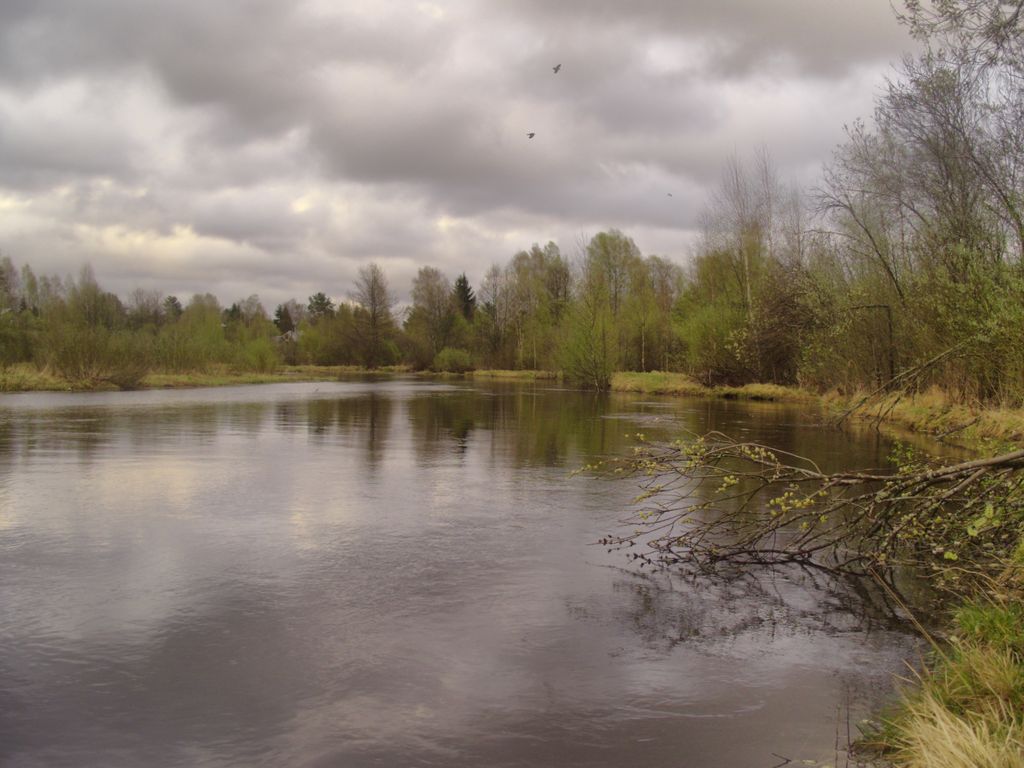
(966, 708)
(679, 384)
(663, 383)
(27, 378)
(283, 374)
(932, 413)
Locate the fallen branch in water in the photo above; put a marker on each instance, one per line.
(711, 500)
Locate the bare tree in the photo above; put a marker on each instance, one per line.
(991, 30)
(145, 308)
(983, 42)
(375, 323)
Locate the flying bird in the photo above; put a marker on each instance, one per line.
(669, 194)
(556, 68)
(530, 135)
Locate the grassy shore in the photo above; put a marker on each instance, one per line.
(966, 709)
(659, 383)
(227, 377)
(931, 413)
(935, 413)
(27, 378)
(497, 375)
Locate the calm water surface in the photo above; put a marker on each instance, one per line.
(395, 573)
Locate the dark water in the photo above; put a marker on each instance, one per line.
(395, 573)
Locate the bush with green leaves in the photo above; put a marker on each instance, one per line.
(588, 354)
(96, 354)
(452, 360)
(16, 331)
(259, 355)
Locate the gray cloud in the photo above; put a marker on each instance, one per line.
(216, 145)
(820, 36)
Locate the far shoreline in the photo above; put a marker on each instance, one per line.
(931, 413)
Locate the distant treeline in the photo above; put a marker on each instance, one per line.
(612, 309)
(905, 263)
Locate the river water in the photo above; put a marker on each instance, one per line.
(397, 573)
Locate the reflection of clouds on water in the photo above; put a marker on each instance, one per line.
(174, 485)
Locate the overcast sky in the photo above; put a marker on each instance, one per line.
(274, 146)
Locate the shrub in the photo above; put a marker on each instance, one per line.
(258, 355)
(96, 354)
(588, 354)
(192, 345)
(713, 337)
(128, 359)
(452, 360)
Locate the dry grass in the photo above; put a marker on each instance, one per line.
(499, 375)
(224, 376)
(662, 383)
(967, 711)
(935, 413)
(24, 377)
(935, 737)
(657, 383)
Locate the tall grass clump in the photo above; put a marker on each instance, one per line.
(967, 710)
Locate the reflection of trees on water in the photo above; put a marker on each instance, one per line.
(803, 429)
(785, 625)
(8, 451)
(669, 608)
(524, 424)
(88, 430)
(527, 424)
(442, 421)
(361, 420)
(376, 427)
(797, 429)
(539, 424)
(81, 433)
